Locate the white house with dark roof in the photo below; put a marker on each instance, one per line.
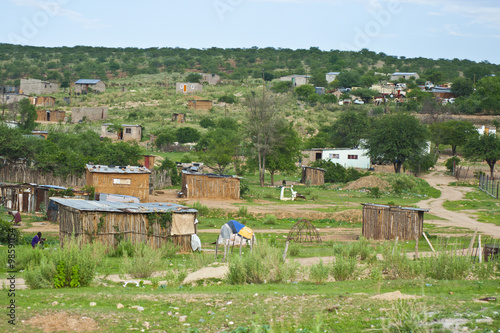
(84, 85)
(331, 76)
(347, 157)
(403, 75)
(297, 80)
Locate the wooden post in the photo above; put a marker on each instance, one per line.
(469, 249)
(416, 247)
(427, 239)
(216, 246)
(395, 244)
(479, 248)
(252, 242)
(286, 250)
(225, 250)
(241, 244)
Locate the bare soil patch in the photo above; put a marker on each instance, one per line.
(63, 322)
(367, 182)
(392, 296)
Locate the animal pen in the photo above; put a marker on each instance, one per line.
(312, 176)
(211, 186)
(381, 222)
(111, 222)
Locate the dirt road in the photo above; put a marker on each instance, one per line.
(440, 181)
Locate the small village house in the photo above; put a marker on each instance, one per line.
(486, 130)
(199, 104)
(297, 80)
(188, 88)
(37, 87)
(147, 161)
(91, 114)
(211, 79)
(347, 157)
(382, 222)
(50, 115)
(403, 75)
(212, 186)
(82, 86)
(42, 100)
(126, 180)
(331, 76)
(127, 133)
(179, 118)
(312, 176)
(111, 222)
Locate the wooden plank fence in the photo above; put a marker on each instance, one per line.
(488, 185)
(22, 173)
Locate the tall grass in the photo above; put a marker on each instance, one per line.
(144, 263)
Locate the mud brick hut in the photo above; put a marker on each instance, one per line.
(111, 222)
(50, 115)
(381, 222)
(210, 186)
(200, 104)
(127, 180)
(313, 176)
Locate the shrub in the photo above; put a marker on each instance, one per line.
(344, 268)
(319, 273)
(122, 247)
(175, 278)
(375, 192)
(453, 161)
(144, 262)
(294, 250)
(270, 220)
(244, 188)
(6, 230)
(398, 266)
(243, 211)
(202, 209)
(446, 266)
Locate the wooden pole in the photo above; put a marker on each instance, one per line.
(427, 239)
(241, 244)
(395, 244)
(479, 248)
(216, 247)
(416, 247)
(225, 250)
(286, 250)
(469, 249)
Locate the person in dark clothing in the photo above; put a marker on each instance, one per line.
(17, 216)
(36, 240)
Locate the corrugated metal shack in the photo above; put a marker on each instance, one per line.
(388, 222)
(110, 222)
(127, 180)
(314, 176)
(212, 186)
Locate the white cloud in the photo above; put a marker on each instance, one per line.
(56, 8)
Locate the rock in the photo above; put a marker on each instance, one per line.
(169, 313)
(55, 303)
(93, 303)
(231, 323)
(146, 324)
(119, 306)
(182, 319)
(140, 308)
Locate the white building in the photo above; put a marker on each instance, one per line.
(404, 75)
(347, 157)
(331, 76)
(487, 130)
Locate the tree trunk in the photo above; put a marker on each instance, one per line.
(272, 177)
(397, 167)
(453, 150)
(491, 164)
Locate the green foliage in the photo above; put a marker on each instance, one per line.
(243, 211)
(217, 148)
(452, 132)
(421, 163)
(28, 115)
(281, 86)
(244, 187)
(193, 78)
(202, 209)
(270, 219)
(75, 277)
(60, 277)
(375, 192)
(164, 220)
(171, 168)
(187, 134)
(207, 122)
(144, 262)
(264, 265)
(165, 138)
(348, 130)
(123, 247)
(452, 162)
(484, 148)
(229, 99)
(7, 231)
(462, 87)
(395, 138)
(304, 91)
(318, 273)
(344, 268)
(294, 249)
(336, 173)
(407, 184)
(446, 266)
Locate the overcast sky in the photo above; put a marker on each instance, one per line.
(412, 28)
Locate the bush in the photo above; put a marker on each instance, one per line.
(244, 187)
(202, 209)
(294, 249)
(6, 230)
(344, 268)
(451, 162)
(445, 266)
(145, 261)
(398, 266)
(270, 220)
(122, 247)
(319, 273)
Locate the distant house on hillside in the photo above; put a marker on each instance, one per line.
(84, 85)
(347, 157)
(297, 80)
(188, 88)
(211, 79)
(403, 75)
(199, 104)
(91, 114)
(42, 101)
(50, 115)
(37, 87)
(487, 130)
(331, 76)
(129, 132)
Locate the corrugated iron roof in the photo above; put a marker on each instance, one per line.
(398, 207)
(87, 81)
(116, 169)
(122, 207)
(404, 73)
(212, 175)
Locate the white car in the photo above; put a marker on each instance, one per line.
(358, 101)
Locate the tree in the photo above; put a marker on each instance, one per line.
(350, 127)
(365, 94)
(262, 117)
(28, 115)
(187, 134)
(484, 148)
(286, 151)
(171, 169)
(462, 87)
(304, 91)
(452, 132)
(348, 79)
(488, 90)
(193, 78)
(319, 79)
(396, 137)
(218, 147)
(165, 138)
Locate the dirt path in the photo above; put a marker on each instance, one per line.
(440, 181)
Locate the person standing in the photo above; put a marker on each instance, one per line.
(17, 217)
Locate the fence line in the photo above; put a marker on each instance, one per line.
(488, 185)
